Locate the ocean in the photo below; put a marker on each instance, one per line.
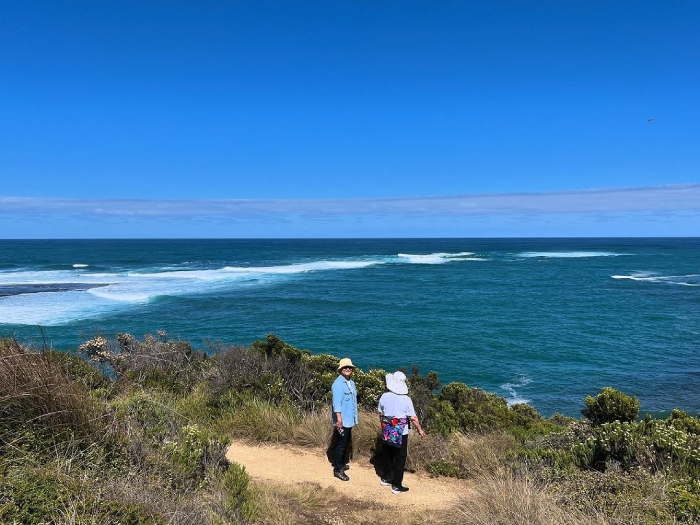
(542, 321)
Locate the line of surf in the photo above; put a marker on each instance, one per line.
(567, 255)
(649, 277)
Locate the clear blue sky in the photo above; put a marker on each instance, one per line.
(349, 119)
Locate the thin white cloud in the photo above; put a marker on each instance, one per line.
(670, 198)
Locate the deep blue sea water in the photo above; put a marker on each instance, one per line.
(546, 321)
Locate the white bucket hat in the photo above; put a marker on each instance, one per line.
(396, 383)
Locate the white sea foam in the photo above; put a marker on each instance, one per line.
(650, 277)
(49, 309)
(113, 291)
(567, 255)
(437, 258)
(79, 265)
(513, 397)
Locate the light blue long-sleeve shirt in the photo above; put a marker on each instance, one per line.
(345, 401)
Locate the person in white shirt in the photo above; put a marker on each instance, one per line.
(395, 411)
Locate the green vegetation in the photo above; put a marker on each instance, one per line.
(135, 431)
(611, 405)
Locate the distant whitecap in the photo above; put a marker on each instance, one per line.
(679, 280)
(437, 258)
(80, 265)
(567, 255)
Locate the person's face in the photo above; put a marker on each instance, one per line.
(346, 371)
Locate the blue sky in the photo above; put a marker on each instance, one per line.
(356, 119)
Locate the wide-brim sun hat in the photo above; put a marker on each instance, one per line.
(345, 361)
(396, 383)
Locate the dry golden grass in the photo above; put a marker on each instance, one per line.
(34, 389)
(501, 498)
(309, 504)
(293, 505)
(313, 431)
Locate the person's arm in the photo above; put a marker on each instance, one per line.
(336, 389)
(416, 423)
(338, 421)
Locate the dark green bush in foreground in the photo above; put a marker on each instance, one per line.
(611, 405)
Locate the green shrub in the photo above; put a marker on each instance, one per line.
(239, 505)
(685, 497)
(556, 459)
(443, 467)
(458, 407)
(612, 497)
(611, 405)
(79, 370)
(273, 345)
(155, 362)
(32, 496)
(152, 417)
(193, 452)
(650, 444)
(682, 421)
(36, 496)
(370, 387)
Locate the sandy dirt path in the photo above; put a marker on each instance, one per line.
(294, 465)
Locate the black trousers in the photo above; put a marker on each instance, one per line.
(395, 462)
(340, 448)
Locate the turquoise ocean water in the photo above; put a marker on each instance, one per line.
(546, 321)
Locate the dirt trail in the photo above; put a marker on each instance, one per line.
(293, 465)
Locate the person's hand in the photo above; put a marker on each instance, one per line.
(339, 425)
(421, 433)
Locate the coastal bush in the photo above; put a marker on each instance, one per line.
(79, 370)
(654, 445)
(275, 373)
(273, 345)
(458, 407)
(149, 417)
(193, 452)
(422, 390)
(680, 420)
(240, 504)
(370, 387)
(611, 405)
(685, 498)
(38, 496)
(620, 498)
(155, 362)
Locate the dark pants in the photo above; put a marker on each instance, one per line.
(341, 448)
(395, 462)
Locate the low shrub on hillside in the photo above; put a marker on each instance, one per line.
(458, 407)
(611, 405)
(155, 362)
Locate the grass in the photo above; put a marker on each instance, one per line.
(145, 444)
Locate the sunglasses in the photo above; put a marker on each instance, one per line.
(348, 368)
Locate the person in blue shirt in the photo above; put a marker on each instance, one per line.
(344, 414)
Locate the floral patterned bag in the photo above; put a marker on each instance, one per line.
(392, 430)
